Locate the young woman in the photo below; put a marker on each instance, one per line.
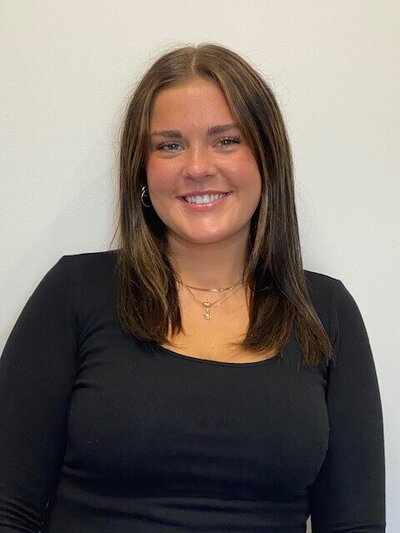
(196, 378)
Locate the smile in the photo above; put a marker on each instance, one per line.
(204, 199)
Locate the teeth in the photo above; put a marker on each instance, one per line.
(205, 199)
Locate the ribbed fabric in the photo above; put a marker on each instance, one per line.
(101, 433)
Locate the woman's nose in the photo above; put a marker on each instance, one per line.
(199, 163)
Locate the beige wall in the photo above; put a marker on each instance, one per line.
(67, 68)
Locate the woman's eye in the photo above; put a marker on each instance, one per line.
(228, 141)
(167, 147)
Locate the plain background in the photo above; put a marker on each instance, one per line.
(68, 69)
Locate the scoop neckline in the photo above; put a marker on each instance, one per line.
(268, 360)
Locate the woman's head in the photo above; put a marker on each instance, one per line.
(148, 303)
(254, 109)
(202, 176)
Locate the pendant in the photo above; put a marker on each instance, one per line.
(207, 314)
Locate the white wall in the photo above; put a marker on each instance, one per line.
(68, 67)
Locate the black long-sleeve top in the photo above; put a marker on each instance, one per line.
(101, 433)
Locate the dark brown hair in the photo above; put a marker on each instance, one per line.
(148, 305)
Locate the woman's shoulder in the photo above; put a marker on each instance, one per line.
(94, 272)
(102, 259)
(320, 286)
(324, 289)
(333, 302)
(95, 266)
(328, 296)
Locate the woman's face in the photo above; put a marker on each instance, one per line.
(203, 179)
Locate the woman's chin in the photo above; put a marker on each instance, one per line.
(207, 238)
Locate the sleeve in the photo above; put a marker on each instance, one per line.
(37, 372)
(348, 494)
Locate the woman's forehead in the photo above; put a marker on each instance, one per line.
(197, 103)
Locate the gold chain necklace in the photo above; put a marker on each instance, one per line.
(209, 306)
(224, 289)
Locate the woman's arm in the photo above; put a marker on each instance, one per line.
(349, 492)
(37, 372)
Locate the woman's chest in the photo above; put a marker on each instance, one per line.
(172, 423)
(217, 338)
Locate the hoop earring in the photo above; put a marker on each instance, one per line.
(143, 195)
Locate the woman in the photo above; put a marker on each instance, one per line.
(196, 378)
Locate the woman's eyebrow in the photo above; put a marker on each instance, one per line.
(167, 133)
(222, 128)
(214, 130)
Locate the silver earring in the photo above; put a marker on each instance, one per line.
(144, 195)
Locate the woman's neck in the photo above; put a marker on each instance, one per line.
(214, 265)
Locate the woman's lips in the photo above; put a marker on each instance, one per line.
(197, 201)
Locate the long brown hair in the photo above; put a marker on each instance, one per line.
(148, 305)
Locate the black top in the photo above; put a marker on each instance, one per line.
(100, 433)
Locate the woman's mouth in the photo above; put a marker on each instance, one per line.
(204, 198)
(198, 201)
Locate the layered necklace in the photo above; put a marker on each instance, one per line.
(208, 306)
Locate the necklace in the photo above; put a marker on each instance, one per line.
(207, 306)
(224, 289)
